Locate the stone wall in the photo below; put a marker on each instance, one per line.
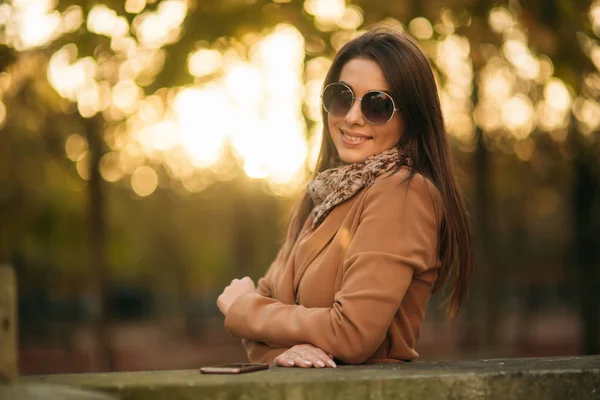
(536, 378)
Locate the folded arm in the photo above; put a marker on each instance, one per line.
(258, 351)
(397, 236)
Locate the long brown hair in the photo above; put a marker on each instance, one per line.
(414, 90)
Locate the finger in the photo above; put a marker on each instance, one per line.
(319, 357)
(248, 281)
(299, 361)
(284, 362)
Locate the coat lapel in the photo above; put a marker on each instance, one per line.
(311, 245)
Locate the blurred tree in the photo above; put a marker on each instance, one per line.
(560, 25)
(469, 45)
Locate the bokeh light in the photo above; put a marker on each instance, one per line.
(452, 57)
(587, 112)
(326, 12)
(135, 6)
(204, 62)
(110, 169)
(517, 115)
(75, 146)
(501, 20)
(144, 181)
(253, 96)
(202, 116)
(82, 165)
(421, 28)
(557, 95)
(2, 113)
(352, 18)
(595, 17)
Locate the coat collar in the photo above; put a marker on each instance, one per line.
(311, 242)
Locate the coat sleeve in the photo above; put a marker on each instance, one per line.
(257, 351)
(396, 238)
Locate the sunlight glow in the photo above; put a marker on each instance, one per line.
(204, 62)
(252, 110)
(595, 55)
(125, 96)
(31, 24)
(252, 97)
(155, 29)
(421, 28)
(102, 20)
(110, 170)
(501, 20)
(130, 158)
(202, 115)
(557, 95)
(314, 145)
(520, 56)
(549, 118)
(517, 115)
(2, 113)
(595, 17)
(72, 18)
(135, 6)
(68, 76)
(315, 72)
(326, 12)
(244, 84)
(587, 112)
(496, 83)
(144, 181)
(487, 116)
(352, 18)
(82, 165)
(452, 57)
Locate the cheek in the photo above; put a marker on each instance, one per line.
(391, 132)
(332, 123)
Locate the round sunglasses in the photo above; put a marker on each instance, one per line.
(377, 107)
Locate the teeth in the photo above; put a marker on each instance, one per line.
(354, 138)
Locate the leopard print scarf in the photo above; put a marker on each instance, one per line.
(336, 185)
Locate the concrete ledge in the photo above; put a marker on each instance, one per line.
(533, 378)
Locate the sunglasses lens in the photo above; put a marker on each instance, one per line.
(337, 99)
(377, 107)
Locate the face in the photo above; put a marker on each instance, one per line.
(353, 136)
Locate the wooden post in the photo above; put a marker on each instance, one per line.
(8, 324)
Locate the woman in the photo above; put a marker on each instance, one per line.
(381, 226)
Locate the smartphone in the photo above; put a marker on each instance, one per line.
(236, 368)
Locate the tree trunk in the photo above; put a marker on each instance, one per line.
(585, 194)
(102, 360)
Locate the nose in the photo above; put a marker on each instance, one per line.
(354, 115)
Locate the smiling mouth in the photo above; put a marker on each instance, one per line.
(355, 139)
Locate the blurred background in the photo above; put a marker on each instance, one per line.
(150, 152)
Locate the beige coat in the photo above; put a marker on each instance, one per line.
(357, 286)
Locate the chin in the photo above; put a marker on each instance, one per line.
(352, 156)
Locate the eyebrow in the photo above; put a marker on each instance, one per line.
(373, 90)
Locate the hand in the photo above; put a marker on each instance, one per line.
(236, 288)
(304, 356)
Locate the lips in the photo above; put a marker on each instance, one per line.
(354, 138)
